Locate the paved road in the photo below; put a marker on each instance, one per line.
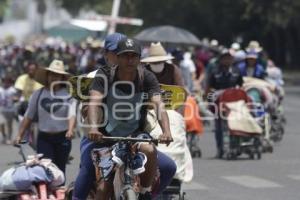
(275, 177)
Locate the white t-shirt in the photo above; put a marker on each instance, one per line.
(6, 99)
(187, 62)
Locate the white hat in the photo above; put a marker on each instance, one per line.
(254, 46)
(56, 66)
(157, 54)
(214, 43)
(236, 46)
(274, 76)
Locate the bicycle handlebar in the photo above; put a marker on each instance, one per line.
(129, 139)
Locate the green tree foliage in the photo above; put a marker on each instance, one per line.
(74, 6)
(275, 23)
(3, 7)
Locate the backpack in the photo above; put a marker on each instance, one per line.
(141, 71)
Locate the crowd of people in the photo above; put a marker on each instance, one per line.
(33, 90)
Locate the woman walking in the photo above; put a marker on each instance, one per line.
(54, 110)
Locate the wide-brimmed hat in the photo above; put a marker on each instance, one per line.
(254, 46)
(56, 66)
(157, 54)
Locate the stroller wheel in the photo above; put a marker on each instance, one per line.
(197, 154)
(193, 154)
(280, 134)
(181, 196)
(258, 155)
(228, 156)
(270, 149)
(231, 156)
(251, 155)
(200, 154)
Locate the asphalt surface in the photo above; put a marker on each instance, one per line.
(275, 177)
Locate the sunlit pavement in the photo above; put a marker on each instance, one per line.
(275, 177)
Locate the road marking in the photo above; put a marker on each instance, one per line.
(252, 182)
(295, 177)
(193, 186)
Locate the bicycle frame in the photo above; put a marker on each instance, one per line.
(126, 176)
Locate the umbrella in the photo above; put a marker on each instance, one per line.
(168, 34)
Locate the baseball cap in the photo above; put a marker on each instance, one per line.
(129, 45)
(111, 41)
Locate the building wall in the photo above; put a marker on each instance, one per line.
(23, 14)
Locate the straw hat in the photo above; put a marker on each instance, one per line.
(56, 66)
(254, 46)
(157, 54)
(96, 44)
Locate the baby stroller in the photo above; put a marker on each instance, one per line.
(277, 125)
(241, 133)
(178, 150)
(194, 126)
(262, 99)
(278, 120)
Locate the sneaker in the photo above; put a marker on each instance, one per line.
(146, 196)
(138, 163)
(119, 154)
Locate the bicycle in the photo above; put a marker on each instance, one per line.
(127, 189)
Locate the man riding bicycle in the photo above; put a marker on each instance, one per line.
(129, 84)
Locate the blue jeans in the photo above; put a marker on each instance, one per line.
(86, 176)
(56, 147)
(219, 134)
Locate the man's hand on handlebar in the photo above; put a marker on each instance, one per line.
(165, 138)
(95, 135)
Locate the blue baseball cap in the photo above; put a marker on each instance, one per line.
(112, 40)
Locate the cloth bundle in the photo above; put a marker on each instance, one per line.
(21, 178)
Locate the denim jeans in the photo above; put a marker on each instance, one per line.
(55, 147)
(86, 176)
(219, 134)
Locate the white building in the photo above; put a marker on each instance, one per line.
(23, 19)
